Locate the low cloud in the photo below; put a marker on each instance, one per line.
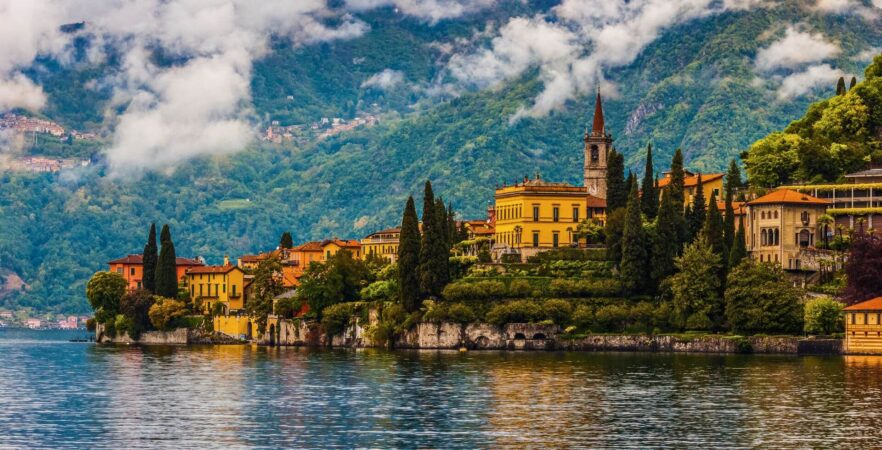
(796, 49)
(430, 10)
(812, 78)
(386, 79)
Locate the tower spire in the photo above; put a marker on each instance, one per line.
(597, 128)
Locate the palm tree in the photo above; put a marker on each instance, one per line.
(824, 221)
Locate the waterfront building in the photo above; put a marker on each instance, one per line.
(783, 229)
(863, 327)
(131, 267)
(218, 284)
(858, 198)
(383, 243)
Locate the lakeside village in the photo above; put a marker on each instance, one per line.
(618, 263)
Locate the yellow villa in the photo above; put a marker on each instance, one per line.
(782, 226)
(383, 243)
(863, 327)
(218, 284)
(330, 248)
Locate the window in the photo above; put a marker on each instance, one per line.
(224, 288)
(555, 212)
(851, 316)
(119, 270)
(555, 240)
(804, 217)
(535, 239)
(575, 214)
(132, 271)
(595, 154)
(777, 236)
(535, 213)
(763, 238)
(776, 214)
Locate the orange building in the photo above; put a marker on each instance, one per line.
(131, 267)
(712, 184)
(330, 248)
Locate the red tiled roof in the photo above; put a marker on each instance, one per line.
(788, 196)
(737, 207)
(691, 181)
(869, 305)
(596, 202)
(213, 269)
(312, 246)
(343, 243)
(139, 259)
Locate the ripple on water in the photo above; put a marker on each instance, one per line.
(58, 394)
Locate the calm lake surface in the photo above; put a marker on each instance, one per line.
(59, 394)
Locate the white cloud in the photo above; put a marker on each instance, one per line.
(869, 53)
(17, 91)
(801, 83)
(431, 10)
(386, 79)
(794, 50)
(836, 6)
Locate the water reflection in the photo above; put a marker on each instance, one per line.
(56, 394)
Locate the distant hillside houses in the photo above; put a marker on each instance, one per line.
(25, 124)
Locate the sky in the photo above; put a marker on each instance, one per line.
(203, 105)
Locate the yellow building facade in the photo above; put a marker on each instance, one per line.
(863, 327)
(218, 284)
(537, 214)
(332, 246)
(383, 244)
(238, 326)
(782, 226)
(711, 183)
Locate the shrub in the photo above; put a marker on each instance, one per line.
(699, 322)
(287, 307)
(743, 345)
(381, 290)
(823, 315)
(434, 312)
(460, 313)
(520, 289)
(610, 318)
(481, 290)
(136, 306)
(519, 311)
(104, 291)
(576, 288)
(583, 316)
(165, 312)
(336, 318)
(558, 311)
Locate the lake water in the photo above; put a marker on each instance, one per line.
(59, 394)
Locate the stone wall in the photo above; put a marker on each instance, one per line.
(180, 336)
(667, 343)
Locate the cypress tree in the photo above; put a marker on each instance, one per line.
(853, 82)
(739, 248)
(733, 178)
(630, 183)
(443, 224)
(166, 271)
(442, 252)
(452, 231)
(633, 268)
(729, 221)
(678, 181)
(840, 86)
(698, 212)
(665, 241)
(149, 259)
(649, 196)
(286, 241)
(433, 250)
(616, 195)
(712, 234)
(409, 258)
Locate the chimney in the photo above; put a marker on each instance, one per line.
(226, 260)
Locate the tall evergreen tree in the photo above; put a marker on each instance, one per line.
(633, 268)
(739, 247)
(733, 178)
(840, 86)
(166, 270)
(665, 240)
(630, 183)
(452, 231)
(698, 212)
(678, 181)
(409, 258)
(853, 82)
(149, 260)
(729, 221)
(443, 224)
(442, 252)
(712, 233)
(286, 241)
(616, 193)
(434, 253)
(649, 197)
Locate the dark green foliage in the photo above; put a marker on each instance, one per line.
(696, 286)
(616, 190)
(649, 196)
(135, 305)
(613, 230)
(166, 268)
(761, 299)
(433, 249)
(409, 258)
(519, 311)
(337, 280)
(665, 240)
(678, 177)
(840, 86)
(697, 211)
(733, 180)
(633, 267)
(739, 247)
(150, 259)
(443, 223)
(288, 307)
(852, 84)
(729, 221)
(264, 289)
(286, 241)
(712, 230)
(823, 315)
(453, 233)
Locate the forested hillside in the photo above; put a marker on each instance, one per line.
(696, 87)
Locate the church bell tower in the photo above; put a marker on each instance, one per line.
(597, 146)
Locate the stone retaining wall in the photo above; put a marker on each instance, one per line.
(180, 336)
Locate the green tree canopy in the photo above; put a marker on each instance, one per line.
(104, 291)
(760, 299)
(649, 196)
(337, 280)
(695, 287)
(616, 191)
(149, 260)
(166, 267)
(823, 315)
(409, 258)
(633, 268)
(266, 286)
(286, 241)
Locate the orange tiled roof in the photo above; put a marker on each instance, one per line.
(691, 181)
(869, 305)
(312, 246)
(213, 269)
(139, 259)
(343, 243)
(737, 207)
(788, 196)
(596, 202)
